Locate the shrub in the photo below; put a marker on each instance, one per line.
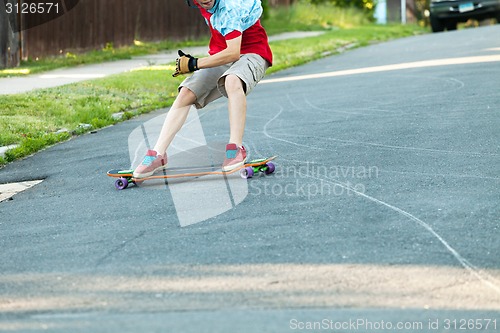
(367, 6)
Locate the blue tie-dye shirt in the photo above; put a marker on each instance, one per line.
(231, 15)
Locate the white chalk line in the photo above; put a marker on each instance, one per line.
(392, 147)
(463, 262)
(377, 111)
(362, 143)
(445, 175)
(266, 132)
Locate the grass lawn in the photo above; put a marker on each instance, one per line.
(109, 53)
(32, 120)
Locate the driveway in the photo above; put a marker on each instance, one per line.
(382, 215)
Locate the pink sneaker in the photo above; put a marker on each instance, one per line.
(151, 163)
(235, 157)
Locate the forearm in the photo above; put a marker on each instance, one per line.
(224, 57)
(188, 64)
(229, 55)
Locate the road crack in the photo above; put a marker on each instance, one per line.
(118, 248)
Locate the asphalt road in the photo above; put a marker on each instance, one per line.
(382, 215)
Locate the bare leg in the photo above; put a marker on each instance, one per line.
(237, 109)
(176, 117)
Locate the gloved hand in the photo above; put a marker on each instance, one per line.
(185, 64)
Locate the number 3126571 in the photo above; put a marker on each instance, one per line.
(32, 8)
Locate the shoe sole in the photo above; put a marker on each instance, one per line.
(149, 174)
(233, 166)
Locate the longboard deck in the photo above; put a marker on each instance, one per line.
(180, 172)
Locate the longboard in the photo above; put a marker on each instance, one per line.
(248, 170)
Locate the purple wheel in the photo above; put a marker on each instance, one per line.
(121, 183)
(270, 168)
(246, 172)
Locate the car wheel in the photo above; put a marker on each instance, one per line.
(450, 25)
(436, 24)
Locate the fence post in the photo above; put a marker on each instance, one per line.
(9, 39)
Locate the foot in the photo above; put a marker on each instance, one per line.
(235, 157)
(151, 163)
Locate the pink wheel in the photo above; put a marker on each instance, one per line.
(246, 172)
(121, 183)
(270, 168)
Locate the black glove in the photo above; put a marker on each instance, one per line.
(185, 64)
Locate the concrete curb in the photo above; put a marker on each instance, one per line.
(4, 149)
(7, 191)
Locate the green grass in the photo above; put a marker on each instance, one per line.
(109, 53)
(303, 16)
(32, 120)
(296, 52)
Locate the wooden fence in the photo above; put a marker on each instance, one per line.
(91, 24)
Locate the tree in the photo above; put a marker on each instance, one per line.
(9, 43)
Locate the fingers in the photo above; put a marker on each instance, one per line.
(181, 66)
(177, 67)
(184, 64)
(182, 54)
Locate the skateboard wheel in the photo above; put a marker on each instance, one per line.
(270, 168)
(246, 173)
(121, 183)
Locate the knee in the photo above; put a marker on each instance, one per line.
(233, 85)
(186, 96)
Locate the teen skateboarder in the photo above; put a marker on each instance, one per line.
(239, 55)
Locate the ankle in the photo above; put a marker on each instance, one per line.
(158, 153)
(238, 145)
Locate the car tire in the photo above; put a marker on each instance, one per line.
(437, 25)
(451, 25)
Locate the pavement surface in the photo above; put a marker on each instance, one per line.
(383, 213)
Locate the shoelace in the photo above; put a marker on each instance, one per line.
(148, 160)
(230, 154)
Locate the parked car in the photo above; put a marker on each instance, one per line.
(446, 14)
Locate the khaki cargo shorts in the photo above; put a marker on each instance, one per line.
(208, 84)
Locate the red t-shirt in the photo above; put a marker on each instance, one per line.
(253, 40)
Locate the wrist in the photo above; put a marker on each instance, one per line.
(193, 64)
